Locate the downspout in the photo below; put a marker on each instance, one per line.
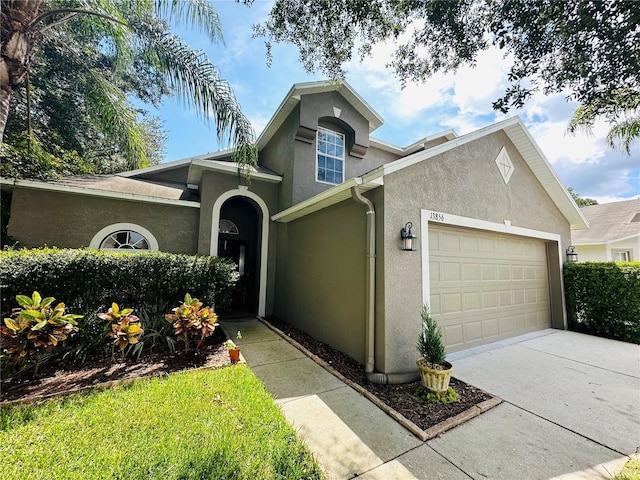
(370, 273)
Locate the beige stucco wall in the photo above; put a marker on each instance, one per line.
(606, 252)
(591, 253)
(465, 182)
(66, 220)
(320, 280)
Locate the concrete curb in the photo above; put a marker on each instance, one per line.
(423, 435)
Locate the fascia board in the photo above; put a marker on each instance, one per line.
(529, 150)
(35, 185)
(197, 166)
(317, 202)
(155, 168)
(293, 97)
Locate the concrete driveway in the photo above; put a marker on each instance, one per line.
(570, 401)
(571, 411)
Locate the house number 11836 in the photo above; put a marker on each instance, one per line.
(437, 217)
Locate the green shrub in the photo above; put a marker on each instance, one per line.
(91, 280)
(430, 344)
(604, 299)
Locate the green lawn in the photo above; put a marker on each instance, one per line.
(218, 424)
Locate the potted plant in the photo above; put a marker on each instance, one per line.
(234, 350)
(434, 369)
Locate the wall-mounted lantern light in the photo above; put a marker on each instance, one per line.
(408, 238)
(572, 256)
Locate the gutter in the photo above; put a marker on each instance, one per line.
(370, 315)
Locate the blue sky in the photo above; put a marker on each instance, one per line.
(460, 101)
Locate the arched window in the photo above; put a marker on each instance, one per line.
(227, 226)
(124, 236)
(125, 240)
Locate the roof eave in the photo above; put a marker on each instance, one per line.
(38, 185)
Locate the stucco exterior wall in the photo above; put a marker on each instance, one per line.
(320, 279)
(606, 252)
(71, 221)
(592, 253)
(466, 182)
(278, 156)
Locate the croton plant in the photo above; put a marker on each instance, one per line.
(192, 320)
(34, 327)
(124, 327)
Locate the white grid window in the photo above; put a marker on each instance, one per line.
(330, 158)
(125, 240)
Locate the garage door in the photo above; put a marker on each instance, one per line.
(486, 286)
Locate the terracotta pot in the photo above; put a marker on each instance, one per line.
(433, 379)
(234, 354)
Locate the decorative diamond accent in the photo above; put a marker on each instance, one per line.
(504, 165)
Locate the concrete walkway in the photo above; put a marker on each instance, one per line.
(571, 411)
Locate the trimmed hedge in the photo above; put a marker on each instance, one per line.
(604, 299)
(89, 280)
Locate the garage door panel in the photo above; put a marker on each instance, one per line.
(486, 286)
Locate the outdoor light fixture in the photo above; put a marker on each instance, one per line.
(572, 256)
(408, 238)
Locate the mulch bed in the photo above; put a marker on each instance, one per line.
(401, 398)
(102, 371)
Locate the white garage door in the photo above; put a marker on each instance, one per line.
(486, 286)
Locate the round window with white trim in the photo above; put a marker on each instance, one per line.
(125, 240)
(124, 236)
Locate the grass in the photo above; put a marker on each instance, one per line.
(631, 470)
(215, 424)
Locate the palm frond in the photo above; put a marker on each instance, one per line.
(623, 133)
(199, 14)
(119, 119)
(197, 83)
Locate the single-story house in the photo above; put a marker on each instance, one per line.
(613, 234)
(317, 229)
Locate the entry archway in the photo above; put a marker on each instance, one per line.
(263, 230)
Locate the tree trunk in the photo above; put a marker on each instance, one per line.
(18, 40)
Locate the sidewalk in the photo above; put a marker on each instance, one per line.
(352, 438)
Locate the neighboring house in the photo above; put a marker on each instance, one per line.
(613, 234)
(316, 230)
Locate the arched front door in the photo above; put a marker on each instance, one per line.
(240, 231)
(238, 239)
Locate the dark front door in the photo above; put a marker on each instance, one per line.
(239, 251)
